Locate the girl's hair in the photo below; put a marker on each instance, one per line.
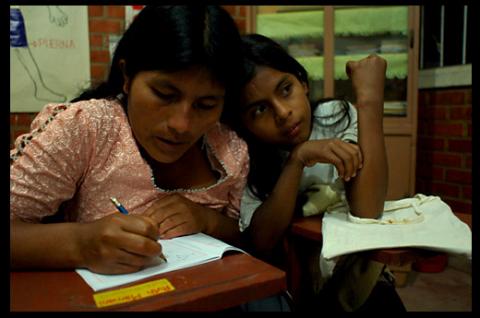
(174, 38)
(266, 160)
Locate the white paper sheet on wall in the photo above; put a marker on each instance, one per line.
(54, 65)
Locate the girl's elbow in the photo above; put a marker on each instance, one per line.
(368, 211)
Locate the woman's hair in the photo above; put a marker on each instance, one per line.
(174, 38)
(266, 160)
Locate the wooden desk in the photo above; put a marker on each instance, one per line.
(308, 230)
(228, 282)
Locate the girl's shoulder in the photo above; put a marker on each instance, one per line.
(332, 108)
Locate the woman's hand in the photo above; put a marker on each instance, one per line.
(368, 80)
(119, 244)
(177, 216)
(346, 157)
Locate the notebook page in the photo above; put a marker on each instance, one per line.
(181, 252)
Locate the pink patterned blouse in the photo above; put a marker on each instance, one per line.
(78, 155)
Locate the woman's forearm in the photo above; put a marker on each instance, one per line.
(40, 246)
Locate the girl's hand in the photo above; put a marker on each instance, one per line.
(346, 157)
(368, 80)
(119, 244)
(177, 216)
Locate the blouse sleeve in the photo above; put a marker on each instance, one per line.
(48, 163)
(240, 152)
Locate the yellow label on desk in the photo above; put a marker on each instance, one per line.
(127, 294)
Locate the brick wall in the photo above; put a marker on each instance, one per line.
(444, 158)
(444, 146)
(103, 21)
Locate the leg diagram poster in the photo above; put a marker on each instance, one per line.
(49, 55)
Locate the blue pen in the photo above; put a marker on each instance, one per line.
(122, 209)
(119, 206)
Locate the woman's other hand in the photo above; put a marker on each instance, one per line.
(177, 216)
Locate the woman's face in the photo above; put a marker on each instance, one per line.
(169, 112)
(276, 108)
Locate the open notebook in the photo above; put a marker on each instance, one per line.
(181, 252)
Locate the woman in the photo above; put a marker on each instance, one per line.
(149, 136)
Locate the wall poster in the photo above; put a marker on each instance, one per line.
(49, 55)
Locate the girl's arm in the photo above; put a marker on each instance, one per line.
(366, 192)
(274, 215)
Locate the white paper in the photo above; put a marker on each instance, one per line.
(55, 65)
(181, 252)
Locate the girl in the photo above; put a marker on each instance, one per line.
(150, 136)
(295, 143)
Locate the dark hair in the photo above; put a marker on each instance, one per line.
(173, 38)
(266, 160)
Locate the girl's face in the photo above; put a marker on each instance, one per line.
(170, 112)
(276, 108)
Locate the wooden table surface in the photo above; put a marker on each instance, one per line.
(230, 281)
